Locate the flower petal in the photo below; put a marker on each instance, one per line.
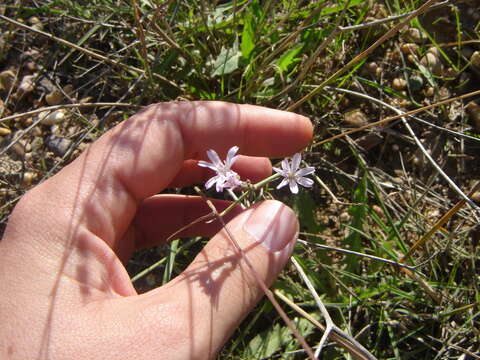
(214, 158)
(229, 163)
(211, 181)
(207, 165)
(279, 171)
(293, 186)
(231, 156)
(305, 181)
(286, 166)
(296, 160)
(232, 180)
(282, 184)
(305, 171)
(220, 184)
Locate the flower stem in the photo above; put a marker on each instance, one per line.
(254, 187)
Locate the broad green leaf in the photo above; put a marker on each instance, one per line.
(248, 41)
(268, 342)
(227, 61)
(289, 58)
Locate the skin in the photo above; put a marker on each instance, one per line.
(65, 291)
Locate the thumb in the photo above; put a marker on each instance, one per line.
(218, 289)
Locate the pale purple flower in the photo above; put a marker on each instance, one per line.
(225, 177)
(293, 175)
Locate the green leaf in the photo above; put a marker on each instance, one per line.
(268, 342)
(167, 275)
(337, 9)
(248, 42)
(289, 58)
(227, 61)
(306, 208)
(359, 213)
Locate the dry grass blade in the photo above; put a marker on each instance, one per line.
(396, 117)
(419, 144)
(313, 58)
(437, 226)
(387, 244)
(260, 282)
(86, 51)
(424, 285)
(363, 55)
(67, 106)
(389, 19)
(345, 251)
(141, 36)
(331, 328)
(357, 351)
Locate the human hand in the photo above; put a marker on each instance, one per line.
(65, 291)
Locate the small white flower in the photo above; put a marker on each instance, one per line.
(293, 175)
(225, 177)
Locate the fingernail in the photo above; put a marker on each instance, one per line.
(272, 224)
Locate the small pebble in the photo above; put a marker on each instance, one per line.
(398, 172)
(58, 145)
(372, 67)
(5, 131)
(399, 84)
(17, 151)
(344, 217)
(413, 35)
(433, 50)
(429, 92)
(430, 60)
(27, 84)
(52, 118)
(443, 93)
(355, 118)
(69, 90)
(85, 100)
(36, 23)
(378, 210)
(54, 98)
(28, 178)
(432, 214)
(432, 63)
(475, 60)
(409, 48)
(416, 161)
(36, 131)
(7, 79)
(33, 20)
(369, 141)
(473, 112)
(476, 196)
